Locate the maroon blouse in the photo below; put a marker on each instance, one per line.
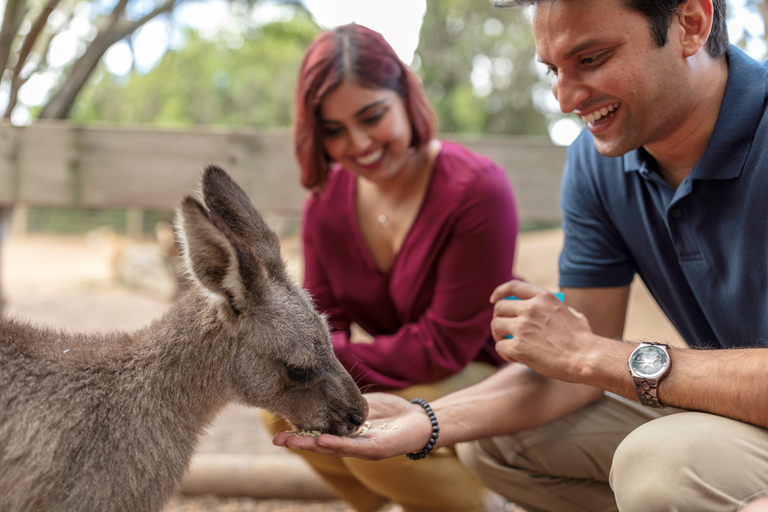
(430, 313)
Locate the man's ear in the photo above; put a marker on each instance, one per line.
(694, 18)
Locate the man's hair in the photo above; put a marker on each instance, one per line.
(659, 15)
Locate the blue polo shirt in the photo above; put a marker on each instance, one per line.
(701, 249)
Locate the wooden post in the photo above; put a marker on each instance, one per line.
(5, 229)
(134, 223)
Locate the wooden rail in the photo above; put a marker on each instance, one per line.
(66, 165)
(60, 164)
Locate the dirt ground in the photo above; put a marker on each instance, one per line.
(70, 282)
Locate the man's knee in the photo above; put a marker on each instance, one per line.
(640, 481)
(684, 461)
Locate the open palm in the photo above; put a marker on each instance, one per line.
(396, 427)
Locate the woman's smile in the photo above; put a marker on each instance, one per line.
(372, 159)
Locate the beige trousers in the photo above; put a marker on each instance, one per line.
(618, 455)
(438, 483)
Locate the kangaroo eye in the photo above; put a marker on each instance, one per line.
(298, 374)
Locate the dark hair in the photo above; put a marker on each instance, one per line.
(362, 54)
(659, 15)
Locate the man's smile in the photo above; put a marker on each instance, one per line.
(600, 113)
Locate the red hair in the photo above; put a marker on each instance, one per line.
(362, 54)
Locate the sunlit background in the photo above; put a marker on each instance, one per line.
(476, 63)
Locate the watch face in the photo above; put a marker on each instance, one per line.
(649, 362)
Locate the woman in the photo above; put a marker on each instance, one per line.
(405, 238)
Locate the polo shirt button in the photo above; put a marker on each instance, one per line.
(677, 213)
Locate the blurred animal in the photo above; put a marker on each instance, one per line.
(109, 422)
(151, 267)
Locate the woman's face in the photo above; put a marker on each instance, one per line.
(367, 131)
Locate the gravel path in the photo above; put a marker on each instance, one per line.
(216, 504)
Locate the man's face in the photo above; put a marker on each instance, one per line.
(608, 70)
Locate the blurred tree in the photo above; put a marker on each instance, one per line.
(750, 33)
(30, 27)
(477, 65)
(764, 14)
(27, 33)
(233, 79)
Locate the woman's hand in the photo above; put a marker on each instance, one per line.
(396, 427)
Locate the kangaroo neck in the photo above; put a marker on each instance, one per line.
(187, 360)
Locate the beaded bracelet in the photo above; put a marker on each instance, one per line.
(435, 431)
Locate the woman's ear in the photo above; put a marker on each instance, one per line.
(695, 20)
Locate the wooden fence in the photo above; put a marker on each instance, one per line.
(57, 164)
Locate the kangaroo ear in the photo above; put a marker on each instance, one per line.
(217, 259)
(229, 202)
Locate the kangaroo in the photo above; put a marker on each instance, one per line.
(109, 422)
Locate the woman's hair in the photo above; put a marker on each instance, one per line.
(356, 52)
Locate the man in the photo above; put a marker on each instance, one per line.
(668, 182)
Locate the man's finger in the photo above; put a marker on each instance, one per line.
(503, 327)
(507, 308)
(506, 349)
(517, 288)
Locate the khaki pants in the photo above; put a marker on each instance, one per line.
(618, 455)
(438, 483)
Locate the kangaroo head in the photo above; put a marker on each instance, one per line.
(283, 359)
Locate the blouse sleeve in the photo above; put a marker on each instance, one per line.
(317, 284)
(455, 328)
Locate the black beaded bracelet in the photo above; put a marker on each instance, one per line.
(435, 431)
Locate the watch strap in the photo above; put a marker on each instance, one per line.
(648, 392)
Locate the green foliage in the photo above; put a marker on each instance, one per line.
(209, 82)
(460, 38)
(219, 82)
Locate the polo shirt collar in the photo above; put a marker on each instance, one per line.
(740, 113)
(633, 161)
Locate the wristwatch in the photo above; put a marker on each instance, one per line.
(648, 364)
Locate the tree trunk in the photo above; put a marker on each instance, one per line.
(14, 9)
(60, 104)
(29, 42)
(5, 228)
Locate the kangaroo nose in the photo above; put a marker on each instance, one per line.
(356, 420)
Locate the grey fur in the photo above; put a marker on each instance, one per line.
(109, 422)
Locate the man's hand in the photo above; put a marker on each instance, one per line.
(396, 427)
(548, 336)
